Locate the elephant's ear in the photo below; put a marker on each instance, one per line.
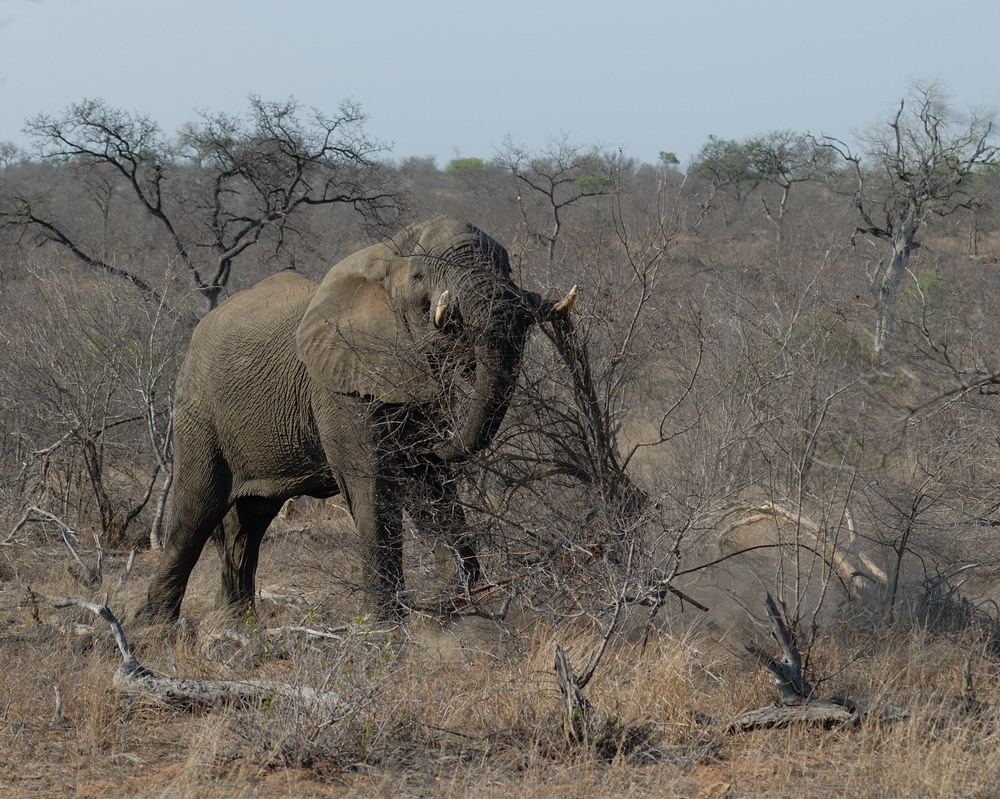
(351, 340)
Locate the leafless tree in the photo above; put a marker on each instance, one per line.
(785, 158)
(553, 179)
(88, 382)
(10, 154)
(919, 165)
(213, 193)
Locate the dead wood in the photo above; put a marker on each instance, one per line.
(49, 632)
(88, 577)
(825, 712)
(798, 703)
(577, 711)
(608, 737)
(272, 634)
(855, 568)
(786, 670)
(135, 683)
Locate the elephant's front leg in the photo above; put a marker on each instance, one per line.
(437, 512)
(242, 531)
(374, 503)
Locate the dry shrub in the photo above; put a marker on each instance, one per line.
(926, 758)
(473, 707)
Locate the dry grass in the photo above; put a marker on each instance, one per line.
(467, 709)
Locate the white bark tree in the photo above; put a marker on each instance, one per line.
(918, 165)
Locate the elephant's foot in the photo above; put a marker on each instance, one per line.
(389, 608)
(236, 594)
(153, 614)
(236, 609)
(163, 603)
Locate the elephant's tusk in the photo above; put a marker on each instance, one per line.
(566, 303)
(442, 309)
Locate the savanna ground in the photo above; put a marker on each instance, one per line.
(761, 395)
(467, 708)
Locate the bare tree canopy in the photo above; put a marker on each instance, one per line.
(921, 163)
(214, 191)
(555, 178)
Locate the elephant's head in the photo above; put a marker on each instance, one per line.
(404, 320)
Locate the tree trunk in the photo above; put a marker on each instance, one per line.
(888, 292)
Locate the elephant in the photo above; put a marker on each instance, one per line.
(374, 384)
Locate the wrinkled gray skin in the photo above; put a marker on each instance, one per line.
(371, 385)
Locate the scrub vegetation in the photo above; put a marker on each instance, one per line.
(779, 379)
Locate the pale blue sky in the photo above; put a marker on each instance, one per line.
(438, 77)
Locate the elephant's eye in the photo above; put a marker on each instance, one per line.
(418, 275)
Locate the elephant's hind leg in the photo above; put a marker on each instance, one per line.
(242, 531)
(199, 499)
(184, 545)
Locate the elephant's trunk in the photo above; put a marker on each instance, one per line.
(495, 376)
(498, 320)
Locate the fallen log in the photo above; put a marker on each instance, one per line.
(798, 702)
(824, 712)
(137, 684)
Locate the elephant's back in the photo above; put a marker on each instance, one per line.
(245, 335)
(263, 311)
(241, 380)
